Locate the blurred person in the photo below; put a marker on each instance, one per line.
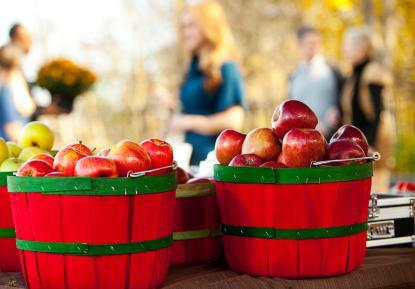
(16, 104)
(211, 93)
(21, 37)
(367, 101)
(316, 82)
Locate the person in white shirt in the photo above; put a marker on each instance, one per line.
(315, 82)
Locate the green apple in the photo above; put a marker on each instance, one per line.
(14, 149)
(4, 151)
(11, 165)
(28, 152)
(36, 134)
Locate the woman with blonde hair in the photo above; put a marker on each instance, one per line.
(16, 105)
(367, 102)
(211, 93)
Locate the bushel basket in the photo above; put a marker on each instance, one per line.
(9, 259)
(93, 233)
(196, 232)
(294, 223)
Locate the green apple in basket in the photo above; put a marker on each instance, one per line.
(14, 149)
(28, 152)
(11, 165)
(36, 134)
(4, 151)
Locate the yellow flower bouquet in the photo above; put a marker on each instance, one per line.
(64, 77)
(65, 80)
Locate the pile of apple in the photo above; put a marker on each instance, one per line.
(293, 142)
(76, 159)
(34, 138)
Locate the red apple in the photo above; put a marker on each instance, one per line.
(246, 160)
(228, 145)
(263, 143)
(81, 148)
(66, 159)
(344, 149)
(352, 133)
(129, 157)
(103, 152)
(160, 152)
(34, 168)
(300, 147)
(199, 181)
(96, 167)
(292, 114)
(182, 176)
(55, 175)
(273, 164)
(43, 157)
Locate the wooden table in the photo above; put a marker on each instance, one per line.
(386, 268)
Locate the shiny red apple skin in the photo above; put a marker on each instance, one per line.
(96, 167)
(55, 175)
(34, 168)
(44, 157)
(66, 159)
(228, 145)
(160, 152)
(263, 143)
(81, 148)
(104, 152)
(182, 176)
(199, 181)
(300, 147)
(273, 164)
(352, 133)
(344, 149)
(246, 160)
(129, 157)
(292, 114)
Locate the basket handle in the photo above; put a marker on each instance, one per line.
(143, 173)
(374, 157)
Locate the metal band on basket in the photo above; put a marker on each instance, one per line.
(296, 234)
(84, 249)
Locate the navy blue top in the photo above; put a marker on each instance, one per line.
(197, 101)
(8, 112)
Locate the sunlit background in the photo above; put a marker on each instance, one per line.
(132, 46)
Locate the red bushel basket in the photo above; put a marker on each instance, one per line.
(294, 223)
(93, 233)
(9, 258)
(196, 232)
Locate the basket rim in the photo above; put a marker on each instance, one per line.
(313, 175)
(7, 233)
(3, 178)
(86, 186)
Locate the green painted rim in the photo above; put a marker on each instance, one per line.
(3, 178)
(196, 234)
(195, 190)
(86, 186)
(84, 249)
(315, 175)
(294, 234)
(7, 233)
